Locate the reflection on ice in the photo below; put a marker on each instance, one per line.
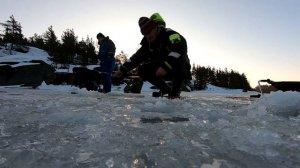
(216, 164)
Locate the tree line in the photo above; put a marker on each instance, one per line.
(67, 51)
(217, 77)
(71, 51)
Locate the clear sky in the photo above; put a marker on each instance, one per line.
(260, 38)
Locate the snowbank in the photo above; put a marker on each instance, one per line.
(33, 54)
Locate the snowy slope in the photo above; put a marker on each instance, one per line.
(33, 54)
(63, 126)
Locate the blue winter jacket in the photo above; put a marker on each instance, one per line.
(107, 51)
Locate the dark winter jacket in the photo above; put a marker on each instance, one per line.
(107, 50)
(169, 50)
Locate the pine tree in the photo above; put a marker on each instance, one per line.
(68, 48)
(51, 44)
(85, 52)
(234, 81)
(199, 74)
(37, 41)
(245, 82)
(81, 53)
(13, 31)
(91, 51)
(212, 75)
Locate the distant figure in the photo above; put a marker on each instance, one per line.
(163, 54)
(106, 56)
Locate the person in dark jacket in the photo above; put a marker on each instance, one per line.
(106, 56)
(163, 55)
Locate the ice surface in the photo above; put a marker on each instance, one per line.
(63, 126)
(53, 127)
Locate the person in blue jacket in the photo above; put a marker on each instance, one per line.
(106, 56)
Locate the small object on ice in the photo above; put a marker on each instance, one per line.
(159, 120)
(255, 96)
(177, 119)
(73, 93)
(151, 120)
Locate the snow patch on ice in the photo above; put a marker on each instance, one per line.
(284, 104)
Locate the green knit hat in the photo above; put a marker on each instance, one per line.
(158, 19)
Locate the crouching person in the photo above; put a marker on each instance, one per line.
(163, 54)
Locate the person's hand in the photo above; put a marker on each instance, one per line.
(160, 72)
(117, 74)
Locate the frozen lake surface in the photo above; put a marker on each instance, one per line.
(72, 128)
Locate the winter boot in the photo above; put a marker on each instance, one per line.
(159, 94)
(174, 95)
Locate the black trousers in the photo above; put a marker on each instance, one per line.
(147, 72)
